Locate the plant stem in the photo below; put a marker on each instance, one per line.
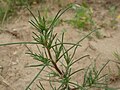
(55, 65)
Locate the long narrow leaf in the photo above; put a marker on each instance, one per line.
(33, 15)
(35, 65)
(102, 68)
(18, 43)
(75, 45)
(76, 71)
(35, 78)
(79, 59)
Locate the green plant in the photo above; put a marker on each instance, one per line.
(83, 17)
(2, 12)
(45, 12)
(113, 14)
(5, 11)
(92, 77)
(98, 34)
(116, 54)
(55, 59)
(20, 2)
(9, 7)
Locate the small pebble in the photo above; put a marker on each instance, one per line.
(1, 67)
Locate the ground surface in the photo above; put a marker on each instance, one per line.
(14, 75)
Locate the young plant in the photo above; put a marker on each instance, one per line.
(83, 17)
(55, 54)
(98, 34)
(93, 77)
(56, 59)
(117, 55)
(9, 7)
(113, 14)
(5, 11)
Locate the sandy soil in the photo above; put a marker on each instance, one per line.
(14, 75)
